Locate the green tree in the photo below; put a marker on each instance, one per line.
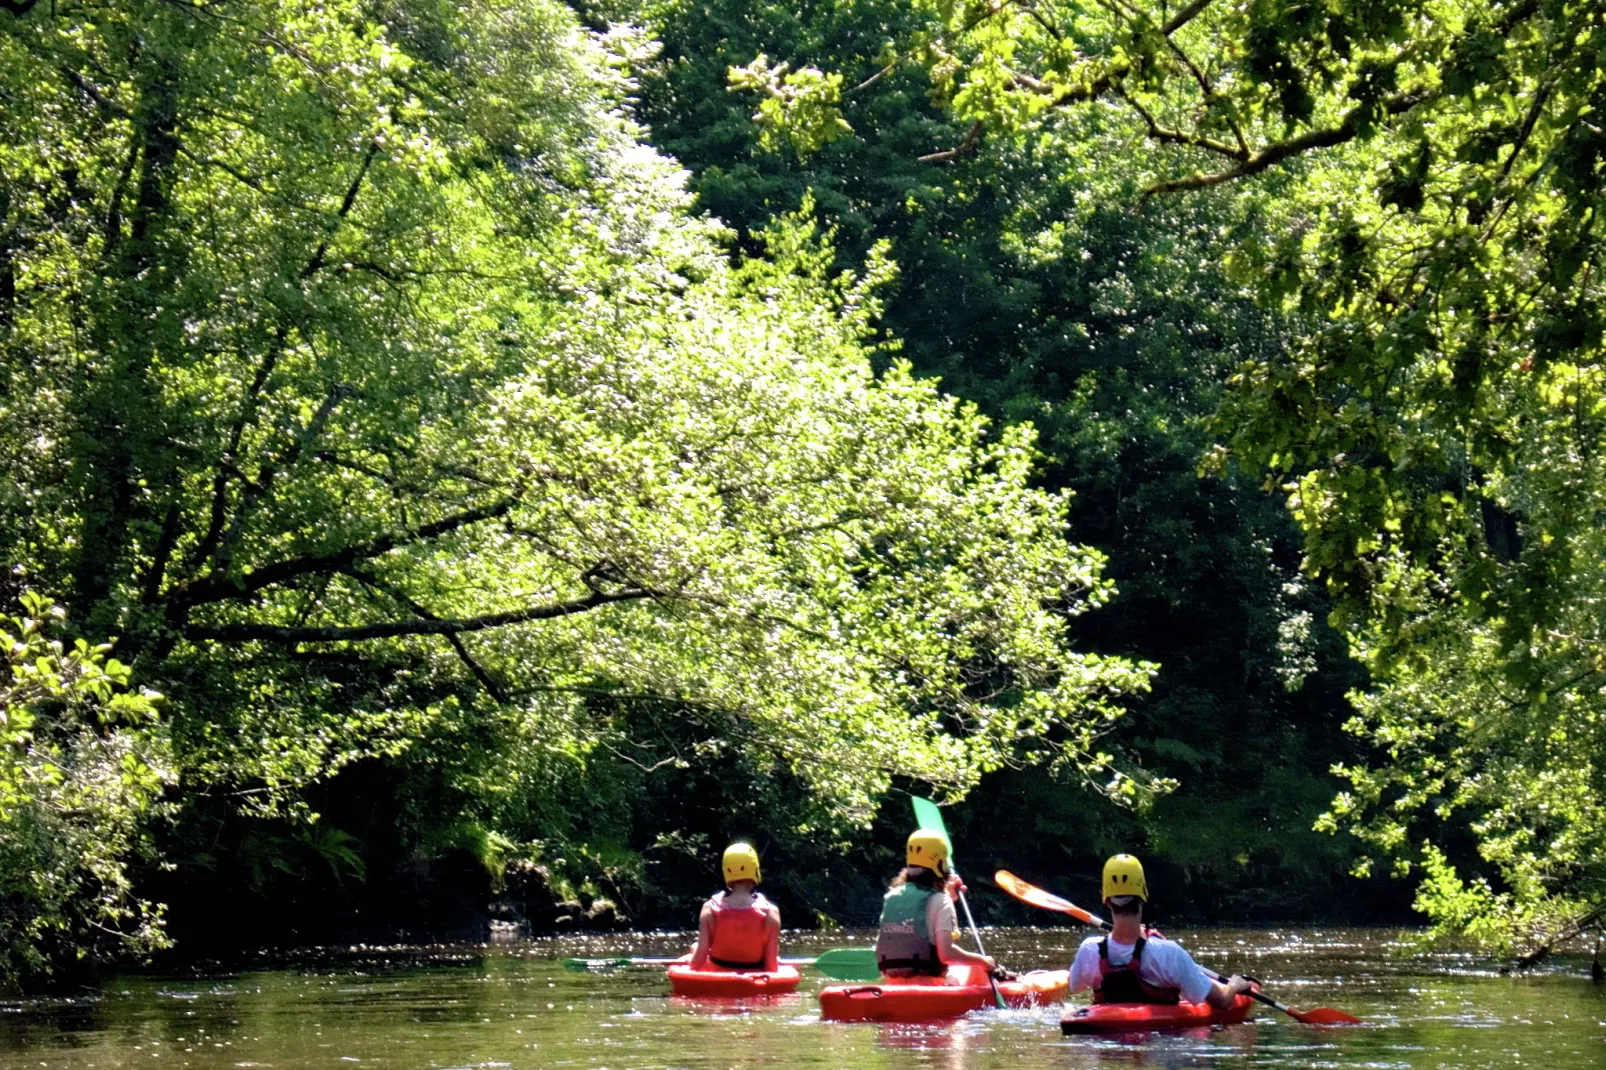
(1033, 284)
(1437, 170)
(366, 374)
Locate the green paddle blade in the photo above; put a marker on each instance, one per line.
(849, 964)
(929, 819)
(594, 964)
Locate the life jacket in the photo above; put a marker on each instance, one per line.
(904, 941)
(1125, 984)
(738, 935)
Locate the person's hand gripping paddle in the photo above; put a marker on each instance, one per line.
(929, 818)
(1032, 895)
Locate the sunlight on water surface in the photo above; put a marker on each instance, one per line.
(512, 1006)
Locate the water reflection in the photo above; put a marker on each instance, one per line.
(512, 1006)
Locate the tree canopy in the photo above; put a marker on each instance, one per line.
(1429, 176)
(505, 434)
(368, 378)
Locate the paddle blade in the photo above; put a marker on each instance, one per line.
(1032, 895)
(929, 818)
(594, 964)
(849, 964)
(1325, 1016)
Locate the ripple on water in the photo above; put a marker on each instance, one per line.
(511, 1007)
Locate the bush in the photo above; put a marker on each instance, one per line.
(82, 769)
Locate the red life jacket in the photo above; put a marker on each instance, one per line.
(1125, 984)
(739, 935)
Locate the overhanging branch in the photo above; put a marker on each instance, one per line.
(1275, 154)
(268, 633)
(219, 588)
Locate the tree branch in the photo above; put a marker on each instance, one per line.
(226, 463)
(1185, 16)
(964, 148)
(495, 690)
(1043, 21)
(1178, 137)
(874, 78)
(1578, 925)
(257, 492)
(112, 230)
(171, 526)
(316, 263)
(1208, 89)
(268, 633)
(1277, 153)
(1072, 94)
(220, 587)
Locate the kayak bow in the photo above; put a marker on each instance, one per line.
(1147, 1017)
(917, 999)
(717, 983)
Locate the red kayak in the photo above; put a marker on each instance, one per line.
(1142, 1017)
(918, 999)
(715, 981)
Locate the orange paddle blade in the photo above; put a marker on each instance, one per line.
(1325, 1016)
(1033, 895)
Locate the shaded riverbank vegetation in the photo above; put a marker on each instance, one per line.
(508, 470)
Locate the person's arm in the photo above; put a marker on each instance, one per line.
(1189, 977)
(947, 922)
(1222, 996)
(772, 937)
(705, 938)
(1084, 967)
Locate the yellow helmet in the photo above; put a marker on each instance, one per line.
(740, 863)
(929, 849)
(1123, 875)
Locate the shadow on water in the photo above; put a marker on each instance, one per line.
(512, 1006)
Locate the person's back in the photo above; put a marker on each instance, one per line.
(905, 944)
(738, 929)
(1134, 964)
(741, 929)
(1151, 969)
(918, 923)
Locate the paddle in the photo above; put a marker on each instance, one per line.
(929, 818)
(849, 964)
(1033, 895)
(609, 964)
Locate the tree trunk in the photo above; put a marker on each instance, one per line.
(118, 421)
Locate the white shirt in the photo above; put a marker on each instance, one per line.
(1165, 965)
(940, 916)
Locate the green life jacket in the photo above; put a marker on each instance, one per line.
(904, 941)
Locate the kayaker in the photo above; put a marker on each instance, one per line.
(918, 921)
(1134, 964)
(738, 928)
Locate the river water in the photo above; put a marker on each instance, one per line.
(511, 1006)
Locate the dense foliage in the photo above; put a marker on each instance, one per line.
(478, 500)
(83, 762)
(366, 375)
(1438, 177)
(1029, 282)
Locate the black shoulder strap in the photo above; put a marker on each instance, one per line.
(1104, 949)
(1137, 951)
